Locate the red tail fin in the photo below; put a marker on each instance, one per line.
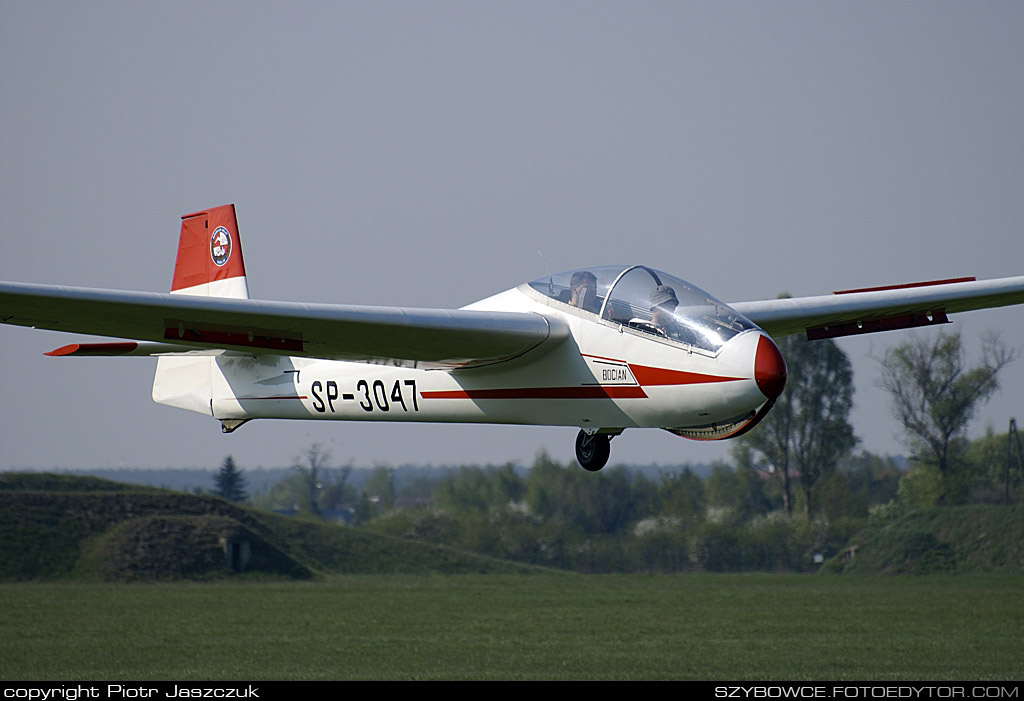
(209, 259)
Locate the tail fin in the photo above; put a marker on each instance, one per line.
(209, 262)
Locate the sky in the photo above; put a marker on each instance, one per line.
(432, 154)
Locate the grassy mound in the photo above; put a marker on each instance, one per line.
(49, 482)
(62, 526)
(183, 547)
(950, 540)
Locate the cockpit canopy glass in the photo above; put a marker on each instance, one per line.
(648, 301)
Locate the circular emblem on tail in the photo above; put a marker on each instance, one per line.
(220, 246)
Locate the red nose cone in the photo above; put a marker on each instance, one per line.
(769, 368)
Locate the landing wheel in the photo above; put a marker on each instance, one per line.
(592, 451)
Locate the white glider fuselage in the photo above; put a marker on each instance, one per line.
(603, 376)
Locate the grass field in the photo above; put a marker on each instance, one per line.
(759, 626)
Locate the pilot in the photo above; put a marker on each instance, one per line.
(583, 287)
(663, 304)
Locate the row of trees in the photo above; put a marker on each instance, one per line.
(623, 520)
(618, 520)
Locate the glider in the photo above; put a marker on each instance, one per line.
(601, 348)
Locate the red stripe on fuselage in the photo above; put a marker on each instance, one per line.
(293, 396)
(606, 392)
(649, 376)
(646, 376)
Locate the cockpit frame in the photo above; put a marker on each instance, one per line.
(648, 302)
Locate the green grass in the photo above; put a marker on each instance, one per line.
(733, 627)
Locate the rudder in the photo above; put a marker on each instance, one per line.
(209, 261)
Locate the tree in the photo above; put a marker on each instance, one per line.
(230, 482)
(566, 497)
(743, 492)
(808, 430)
(379, 487)
(934, 395)
(336, 494)
(311, 471)
(479, 489)
(681, 495)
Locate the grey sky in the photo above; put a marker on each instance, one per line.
(395, 153)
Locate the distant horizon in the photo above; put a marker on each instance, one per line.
(265, 474)
(411, 465)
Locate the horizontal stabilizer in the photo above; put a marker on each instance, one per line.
(127, 348)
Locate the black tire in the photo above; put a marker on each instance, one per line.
(592, 451)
